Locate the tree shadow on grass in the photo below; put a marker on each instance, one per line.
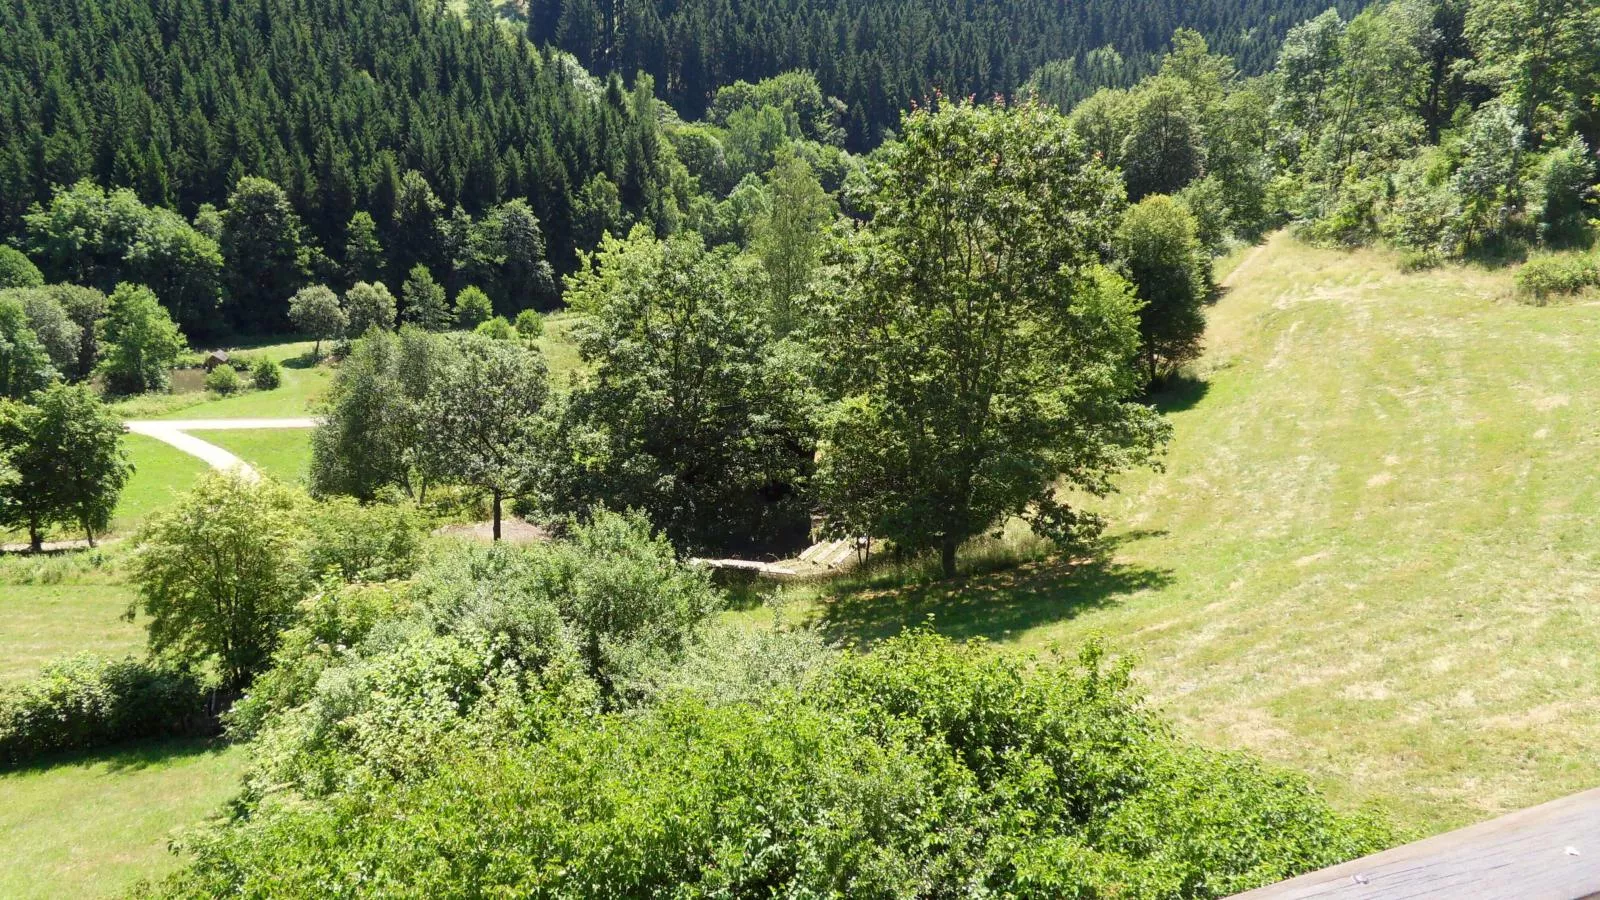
(1178, 393)
(127, 758)
(998, 606)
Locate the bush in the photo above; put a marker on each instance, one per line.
(1564, 190)
(529, 325)
(1548, 275)
(224, 380)
(925, 768)
(472, 307)
(266, 375)
(497, 329)
(86, 701)
(17, 271)
(356, 542)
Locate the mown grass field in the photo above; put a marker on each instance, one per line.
(91, 826)
(1372, 553)
(283, 453)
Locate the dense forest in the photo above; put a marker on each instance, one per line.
(337, 103)
(877, 57)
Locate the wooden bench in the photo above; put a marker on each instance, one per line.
(1548, 852)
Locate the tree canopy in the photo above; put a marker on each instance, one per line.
(983, 351)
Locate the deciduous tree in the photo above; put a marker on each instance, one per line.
(315, 310)
(694, 413)
(368, 306)
(66, 448)
(142, 342)
(1168, 268)
(482, 421)
(984, 356)
(219, 574)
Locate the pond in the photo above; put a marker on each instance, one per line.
(188, 381)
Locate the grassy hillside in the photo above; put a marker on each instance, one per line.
(1372, 553)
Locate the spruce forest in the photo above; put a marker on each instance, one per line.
(804, 448)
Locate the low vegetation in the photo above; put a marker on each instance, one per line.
(86, 702)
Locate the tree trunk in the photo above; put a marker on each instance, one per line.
(35, 538)
(947, 555)
(88, 532)
(497, 515)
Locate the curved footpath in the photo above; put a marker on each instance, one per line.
(175, 432)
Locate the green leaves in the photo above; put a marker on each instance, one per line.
(983, 352)
(142, 341)
(694, 412)
(219, 574)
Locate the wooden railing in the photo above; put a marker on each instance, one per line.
(1549, 852)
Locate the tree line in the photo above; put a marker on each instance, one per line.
(877, 57)
(382, 123)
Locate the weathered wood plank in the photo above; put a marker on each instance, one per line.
(743, 565)
(1548, 852)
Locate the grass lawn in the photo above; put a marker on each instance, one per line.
(91, 826)
(560, 349)
(1373, 553)
(40, 622)
(161, 473)
(283, 453)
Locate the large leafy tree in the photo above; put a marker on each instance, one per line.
(1541, 53)
(789, 236)
(24, 362)
(57, 333)
(1168, 269)
(219, 574)
(693, 413)
(482, 422)
(66, 448)
(90, 236)
(368, 306)
(984, 356)
(261, 245)
(506, 253)
(142, 341)
(17, 271)
(1162, 150)
(370, 425)
(315, 310)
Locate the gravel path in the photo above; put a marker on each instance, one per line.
(176, 433)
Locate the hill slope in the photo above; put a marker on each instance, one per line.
(1372, 555)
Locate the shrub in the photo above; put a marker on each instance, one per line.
(17, 271)
(1564, 190)
(356, 542)
(529, 325)
(86, 701)
(472, 307)
(925, 768)
(266, 374)
(497, 329)
(1548, 275)
(223, 380)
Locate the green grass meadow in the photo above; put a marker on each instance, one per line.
(91, 826)
(1372, 553)
(283, 453)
